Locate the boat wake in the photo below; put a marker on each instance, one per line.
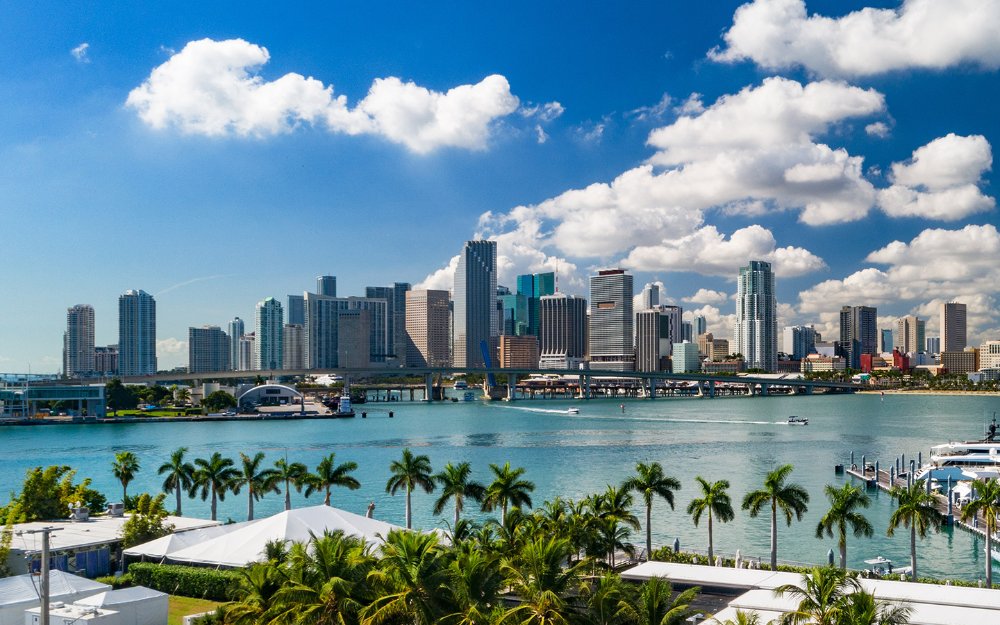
(541, 410)
(638, 418)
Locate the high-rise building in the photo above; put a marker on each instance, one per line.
(674, 327)
(652, 339)
(799, 341)
(952, 327)
(209, 349)
(649, 297)
(106, 360)
(247, 352)
(294, 347)
(518, 352)
(326, 285)
(236, 331)
(475, 319)
(611, 321)
(354, 328)
(269, 339)
(395, 298)
(885, 343)
(533, 287)
(755, 333)
(563, 331)
(427, 329)
(78, 343)
(858, 333)
(932, 345)
(700, 325)
(685, 358)
(688, 331)
(296, 310)
(136, 333)
(516, 320)
(322, 317)
(909, 338)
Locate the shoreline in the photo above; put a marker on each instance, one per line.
(928, 392)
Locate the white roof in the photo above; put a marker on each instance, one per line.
(101, 530)
(166, 545)
(111, 598)
(246, 544)
(727, 614)
(24, 588)
(713, 576)
(137, 605)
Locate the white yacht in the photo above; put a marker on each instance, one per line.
(963, 460)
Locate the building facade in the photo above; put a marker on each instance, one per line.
(395, 298)
(236, 331)
(326, 285)
(79, 353)
(295, 311)
(885, 344)
(799, 341)
(959, 362)
(652, 340)
(294, 347)
(427, 328)
(269, 335)
(953, 336)
(518, 352)
(534, 287)
(909, 338)
(209, 349)
(354, 328)
(562, 331)
(989, 355)
(685, 358)
(136, 333)
(858, 333)
(755, 332)
(611, 321)
(932, 345)
(475, 318)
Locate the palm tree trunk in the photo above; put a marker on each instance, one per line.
(409, 525)
(326, 501)
(989, 555)
(178, 489)
(843, 548)
(913, 551)
(458, 508)
(124, 494)
(711, 559)
(774, 536)
(288, 495)
(649, 532)
(503, 514)
(213, 502)
(249, 504)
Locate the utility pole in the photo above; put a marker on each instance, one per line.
(43, 587)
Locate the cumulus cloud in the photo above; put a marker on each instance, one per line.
(707, 296)
(80, 52)
(171, 346)
(652, 113)
(878, 129)
(941, 180)
(212, 88)
(927, 34)
(707, 251)
(543, 112)
(716, 322)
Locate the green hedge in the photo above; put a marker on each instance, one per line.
(120, 581)
(187, 581)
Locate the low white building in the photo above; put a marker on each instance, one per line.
(20, 593)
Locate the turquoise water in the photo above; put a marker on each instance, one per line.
(739, 439)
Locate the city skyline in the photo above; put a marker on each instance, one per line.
(599, 148)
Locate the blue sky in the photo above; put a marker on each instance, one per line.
(216, 155)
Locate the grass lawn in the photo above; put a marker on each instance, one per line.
(182, 606)
(148, 413)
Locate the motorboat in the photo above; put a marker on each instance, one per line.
(957, 459)
(572, 411)
(882, 567)
(795, 420)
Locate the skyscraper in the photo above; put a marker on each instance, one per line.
(296, 310)
(885, 341)
(799, 341)
(952, 327)
(209, 349)
(611, 321)
(910, 335)
(563, 331)
(136, 333)
(326, 285)
(269, 336)
(395, 298)
(236, 331)
(78, 343)
(755, 333)
(650, 297)
(427, 329)
(652, 338)
(534, 287)
(475, 320)
(932, 344)
(673, 326)
(322, 318)
(700, 325)
(858, 333)
(294, 348)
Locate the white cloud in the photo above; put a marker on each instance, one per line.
(212, 88)
(707, 251)
(691, 106)
(651, 113)
(540, 134)
(543, 112)
(171, 346)
(878, 129)
(928, 34)
(941, 180)
(80, 52)
(719, 324)
(707, 296)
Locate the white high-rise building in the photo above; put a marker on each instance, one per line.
(953, 338)
(136, 333)
(755, 333)
(562, 330)
(475, 318)
(269, 336)
(427, 329)
(294, 348)
(650, 297)
(611, 321)
(910, 335)
(79, 352)
(236, 331)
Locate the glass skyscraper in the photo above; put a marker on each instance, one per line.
(611, 321)
(269, 339)
(755, 334)
(475, 319)
(136, 333)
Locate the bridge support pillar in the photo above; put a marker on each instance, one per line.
(429, 387)
(652, 388)
(711, 389)
(764, 389)
(586, 386)
(511, 387)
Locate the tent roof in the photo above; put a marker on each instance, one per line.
(166, 545)
(246, 544)
(24, 588)
(112, 598)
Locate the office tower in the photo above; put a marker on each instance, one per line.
(685, 358)
(354, 338)
(755, 333)
(427, 329)
(395, 297)
(858, 333)
(518, 352)
(247, 352)
(989, 355)
(649, 297)
(326, 285)
(562, 331)
(932, 345)
(296, 311)
(909, 337)
(294, 347)
(674, 325)
(516, 319)
(106, 360)
(377, 324)
(236, 331)
(611, 321)
(475, 320)
(885, 341)
(136, 333)
(952, 327)
(799, 341)
(534, 287)
(322, 318)
(688, 333)
(78, 342)
(700, 325)
(652, 339)
(269, 337)
(209, 349)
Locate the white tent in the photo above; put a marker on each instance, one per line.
(246, 544)
(137, 605)
(157, 550)
(20, 593)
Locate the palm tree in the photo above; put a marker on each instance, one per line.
(182, 395)
(258, 585)
(613, 509)
(257, 481)
(474, 587)
(844, 504)
(180, 475)
(987, 501)
(790, 498)
(742, 618)
(538, 575)
(507, 489)
(822, 596)
(862, 608)
(409, 472)
(213, 476)
(455, 484)
(714, 500)
(329, 474)
(654, 607)
(604, 599)
(411, 581)
(650, 482)
(124, 468)
(916, 511)
(291, 475)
